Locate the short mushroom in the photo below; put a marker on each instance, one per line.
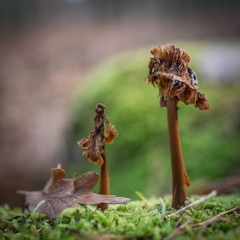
(168, 69)
(94, 148)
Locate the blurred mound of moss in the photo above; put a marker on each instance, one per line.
(139, 159)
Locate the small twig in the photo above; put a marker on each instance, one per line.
(16, 217)
(182, 228)
(210, 221)
(42, 228)
(180, 220)
(215, 218)
(212, 194)
(178, 231)
(200, 232)
(23, 219)
(230, 219)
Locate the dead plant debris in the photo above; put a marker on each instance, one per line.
(60, 193)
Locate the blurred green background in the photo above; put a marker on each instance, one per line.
(139, 159)
(58, 60)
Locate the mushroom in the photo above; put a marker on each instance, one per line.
(168, 69)
(94, 148)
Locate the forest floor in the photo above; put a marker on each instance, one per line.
(213, 218)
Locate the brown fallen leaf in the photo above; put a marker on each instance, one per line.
(60, 193)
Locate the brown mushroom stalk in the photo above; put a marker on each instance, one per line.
(94, 148)
(168, 69)
(104, 182)
(179, 174)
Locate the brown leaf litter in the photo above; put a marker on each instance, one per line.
(60, 193)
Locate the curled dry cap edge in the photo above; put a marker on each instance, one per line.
(169, 70)
(93, 146)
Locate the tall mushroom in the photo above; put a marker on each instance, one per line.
(94, 148)
(168, 69)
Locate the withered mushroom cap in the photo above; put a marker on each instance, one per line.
(110, 133)
(92, 149)
(168, 69)
(93, 146)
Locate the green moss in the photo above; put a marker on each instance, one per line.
(139, 159)
(133, 219)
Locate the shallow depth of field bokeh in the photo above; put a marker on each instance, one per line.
(140, 159)
(58, 60)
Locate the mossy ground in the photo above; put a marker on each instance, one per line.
(134, 219)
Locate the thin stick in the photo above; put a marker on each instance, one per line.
(200, 200)
(180, 220)
(210, 221)
(215, 218)
(230, 219)
(178, 168)
(200, 232)
(181, 229)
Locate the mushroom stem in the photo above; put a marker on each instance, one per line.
(104, 182)
(179, 176)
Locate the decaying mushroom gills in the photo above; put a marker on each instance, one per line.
(169, 71)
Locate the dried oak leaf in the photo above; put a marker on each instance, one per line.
(168, 69)
(60, 193)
